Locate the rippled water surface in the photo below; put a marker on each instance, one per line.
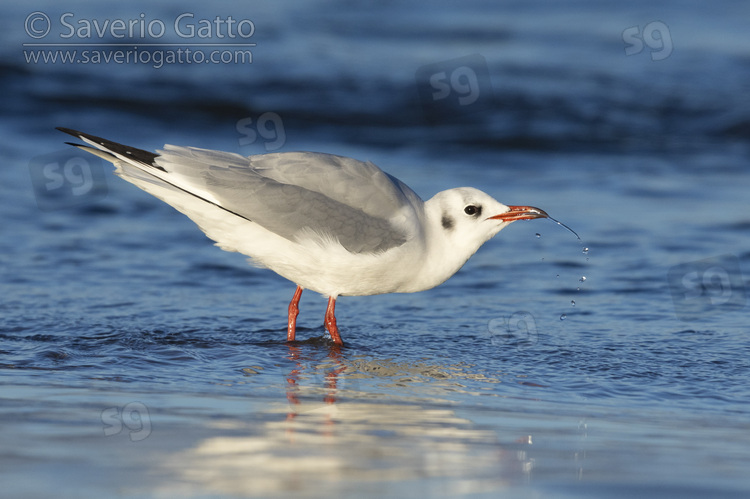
(139, 360)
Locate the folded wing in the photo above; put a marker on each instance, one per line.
(296, 195)
(302, 194)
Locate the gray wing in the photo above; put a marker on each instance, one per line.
(294, 194)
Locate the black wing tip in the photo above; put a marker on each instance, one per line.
(99, 140)
(145, 157)
(69, 131)
(74, 133)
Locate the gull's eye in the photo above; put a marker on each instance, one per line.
(473, 210)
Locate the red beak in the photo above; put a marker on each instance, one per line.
(520, 213)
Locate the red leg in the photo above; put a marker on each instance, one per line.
(330, 321)
(293, 313)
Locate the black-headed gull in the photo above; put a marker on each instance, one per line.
(335, 225)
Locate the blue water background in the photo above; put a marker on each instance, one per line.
(138, 360)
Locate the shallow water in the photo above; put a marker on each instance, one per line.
(138, 360)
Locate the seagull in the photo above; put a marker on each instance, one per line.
(331, 224)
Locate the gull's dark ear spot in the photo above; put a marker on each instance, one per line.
(447, 222)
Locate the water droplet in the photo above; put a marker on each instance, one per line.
(585, 251)
(538, 235)
(583, 278)
(563, 317)
(573, 302)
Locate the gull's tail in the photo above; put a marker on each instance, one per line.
(186, 192)
(135, 165)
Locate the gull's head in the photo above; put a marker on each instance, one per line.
(467, 217)
(458, 222)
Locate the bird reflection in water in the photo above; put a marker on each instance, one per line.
(331, 378)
